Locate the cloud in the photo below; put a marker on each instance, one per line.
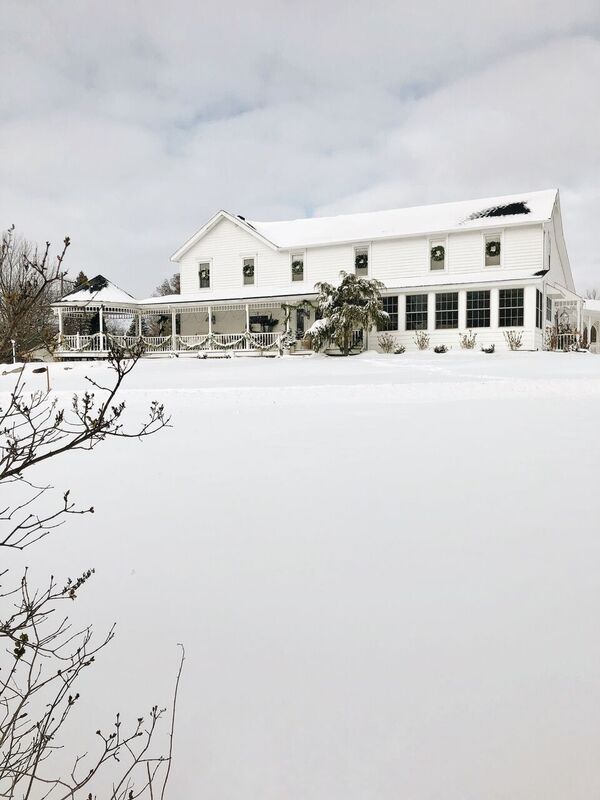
(128, 126)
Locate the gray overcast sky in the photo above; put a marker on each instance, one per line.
(127, 124)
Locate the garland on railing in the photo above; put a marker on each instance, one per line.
(212, 340)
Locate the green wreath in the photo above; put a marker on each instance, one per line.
(248, 270)
(438, 253)
(361, 261)
(205, 274)
(297, 267)
(492, 249)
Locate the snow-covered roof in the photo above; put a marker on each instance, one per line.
(419, 220)
(514, 209)
(98, 290)
(221, 295)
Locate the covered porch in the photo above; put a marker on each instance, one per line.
(236, 328)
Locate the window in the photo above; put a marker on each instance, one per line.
(510, 308)
(446, 310)
(478, 309)
(297, 267)
(416, 312)
(437, 255)
(361, 261)
(248, 271)
(390, 304)
(539, 308)
(549, 309)
(204, 275)
(492, 250)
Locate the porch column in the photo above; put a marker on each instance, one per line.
(101, 327)
(60, 322)
(210, 320)
(173, 329)
(139, 324)
(247, 318)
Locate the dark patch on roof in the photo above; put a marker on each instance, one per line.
(509, 210)
(92, 286)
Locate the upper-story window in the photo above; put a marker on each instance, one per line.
(437, 255)
(248, 271)
(297, 266)
(204, 275)
(361, 261)
(493, 247)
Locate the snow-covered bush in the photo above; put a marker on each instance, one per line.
(440, 348)
(490, 349)
(467, 340)
(514, 339)
(421, 340)
(387, 342)
(399, 350)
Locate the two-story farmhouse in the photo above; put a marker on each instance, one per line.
(490, 266)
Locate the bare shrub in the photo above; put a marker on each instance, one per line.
(514, 339)
(467, 340)
(387, 342)
(421, 339)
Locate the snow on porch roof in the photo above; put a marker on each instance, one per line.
(419, 220)
(97, 290)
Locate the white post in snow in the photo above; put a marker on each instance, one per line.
(173, 329)
(139, 324)
(210, 320)
(247, 318)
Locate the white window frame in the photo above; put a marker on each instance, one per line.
(208, 261)
(293, 255)
(489, 234)
(362, 246)
(243, 257)
(434, 241)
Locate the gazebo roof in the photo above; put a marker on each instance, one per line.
(98, 291)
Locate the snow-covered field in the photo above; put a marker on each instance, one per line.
(385, 570)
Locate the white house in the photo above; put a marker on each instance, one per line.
(490, 266)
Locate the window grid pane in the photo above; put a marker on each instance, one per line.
(446, 310)
(478, 309)
(539, 309)
(204, 275)
(549, 309)
(361, 261)
(416, 312)
(248, 271)
(390, 304)
(298, 267)
(511, 308)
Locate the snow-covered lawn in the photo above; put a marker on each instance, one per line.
(385, 570)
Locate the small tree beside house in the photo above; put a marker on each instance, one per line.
(354, 304)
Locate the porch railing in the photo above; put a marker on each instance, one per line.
(99, 342)
(565, 341)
